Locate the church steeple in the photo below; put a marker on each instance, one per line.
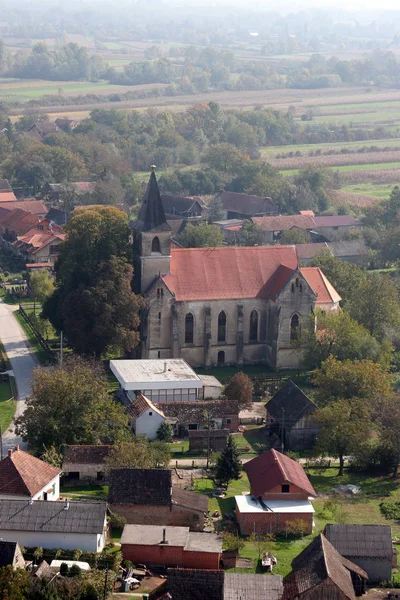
(152, 215)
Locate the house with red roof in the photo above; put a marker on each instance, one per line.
(279, 496)
(25, 476)
(225, 305)
(41, 244)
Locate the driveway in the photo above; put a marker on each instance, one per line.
(22, 360)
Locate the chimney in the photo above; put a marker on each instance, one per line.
(17, 448)
(165, 367)
(10, 452)
(66, 505)
(164, 536)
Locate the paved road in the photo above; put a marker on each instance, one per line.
(22, 360)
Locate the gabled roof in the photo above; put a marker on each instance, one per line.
(45, 127)
(336, 221)
(21, 474)
(318, 562)
(61, 123)
(180, 205)
(196, 584)
(89, 455)
(320, 285)
(140, 405)
(347, 248)
(7, 552)
(284, 222)
(271, 469)
(248, 586)
(293, 401)
(152, 216)
(79, 187)
(140, 486)
(228, 272)
(372, 541)
(246, 204)
(7, 197)
(55, 215)
(19, 220)
(58, 517)
(188, 499)
(5, 186)
(311, 250)
(36, 207)
(37, 240)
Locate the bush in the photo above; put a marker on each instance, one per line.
(75, 571)
(64, 569)
(390, 510)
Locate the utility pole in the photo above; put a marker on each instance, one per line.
(105, 585)
(1, 442)
(61, 348)
(283, 432)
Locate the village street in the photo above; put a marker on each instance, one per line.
(22, 361)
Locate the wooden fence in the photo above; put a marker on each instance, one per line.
(42, 342)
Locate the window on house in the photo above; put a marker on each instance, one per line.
(150, 414)
(100, 475)
(162, 292)
(301, 288)
(159, 316)
(44, 495)
(294, 328)
(222, 326)
(189, 328)
(192, 426)
(155, 246)
(297, 282)
(228, 421)
(292, 288)
(253, 326)
(159, 354)
(40, 227)
(158, 292)
(285, 488)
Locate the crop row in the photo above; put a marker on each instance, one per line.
(334, 160)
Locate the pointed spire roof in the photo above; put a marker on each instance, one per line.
(152, 216)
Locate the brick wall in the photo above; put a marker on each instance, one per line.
(178, 516)
(170, 556)
(271, 522)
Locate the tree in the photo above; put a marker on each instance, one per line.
(139, 453)
(201, 236)
(14, 585)
(362, 379)
(228, 463)
(232, 541)
(41, 285)
(346, 278)
(240, 388)
(70, 404)
(215, 210)
(338, 335)
(225, 158)
(165, 433)
(294, 236)
(93, 302)
(261, 541)
(52, 457)
(345, 426)
(389, 420)
(251, 234)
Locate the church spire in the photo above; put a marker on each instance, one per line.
(152, 216)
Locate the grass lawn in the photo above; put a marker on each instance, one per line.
(88, 492)
(41, 355)
(7, 406)
(371, 189)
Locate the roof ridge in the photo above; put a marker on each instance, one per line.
(277, 454)
(18, 474)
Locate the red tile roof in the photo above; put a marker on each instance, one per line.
(138, 406)
(284, 222)
(36, 239)
(37, 207)
(7, 196)
(320, 285)
(271, 469)
(19, 220)
(229, 272)
(21, 474)
(336, 221)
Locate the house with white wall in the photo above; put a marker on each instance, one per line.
(160, 380)
(144, 417)
(23, 476)
(65, 525)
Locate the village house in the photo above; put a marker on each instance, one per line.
(368, 546)
(290, 417)
(171, 547)
(181, 207)
(56, 192)
(319, 571)
(66, 124)
(217, 306)
(14, 223)
(41, 129)
(86, 462)
(144, 417)
(36, 207)
(11, 555)
(279, 498)
(192, 584)
(166, 380)
(190, 416)
(41, 244)
(57, 216)
(328, 228)
(147, 497)
(66, 525)
(245, 206)
(22, 476)
(353, 251)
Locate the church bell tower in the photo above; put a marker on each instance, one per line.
(151, 239)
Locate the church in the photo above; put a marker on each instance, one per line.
(221, 306)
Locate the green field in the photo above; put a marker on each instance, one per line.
(27, 89)
(272, 151)
(382, 191)
(7, 406)
(367, 167)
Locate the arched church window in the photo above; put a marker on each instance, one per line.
(189, 328)
(294, 328)
(155, 246)
(222, 326)
(253, 333)
(301, 288)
